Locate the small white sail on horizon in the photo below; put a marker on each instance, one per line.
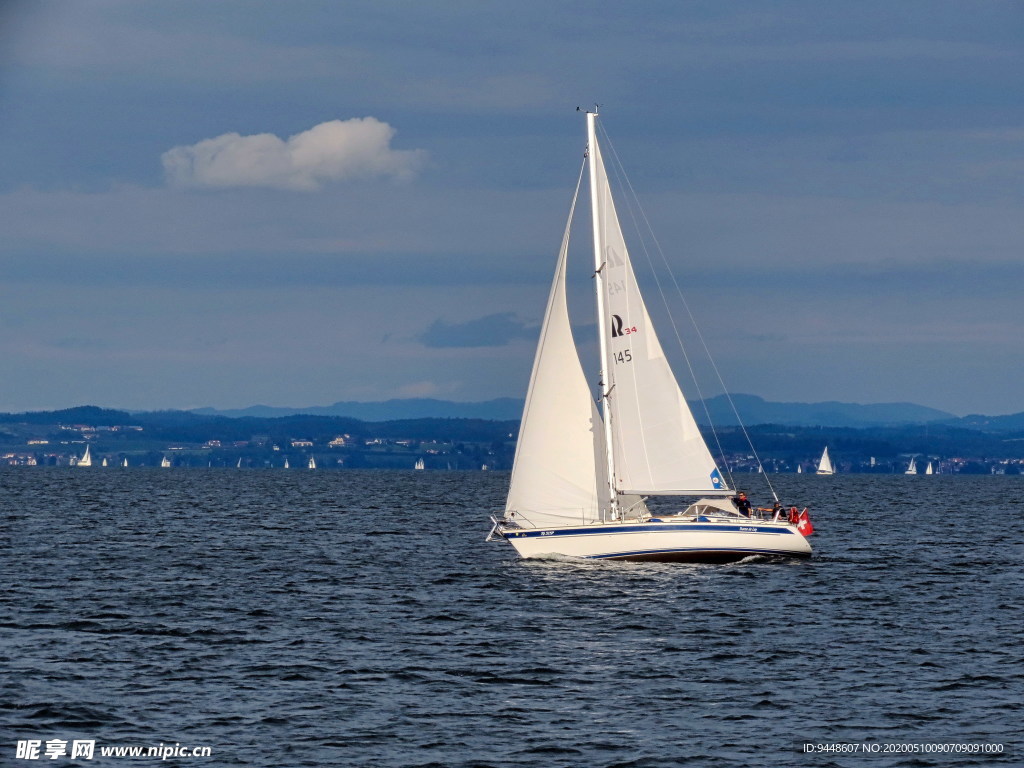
(928, 470)
(104, 462)
(286, 465)
(86, 460)
(124, 462)
(165, 462)
(419, 464)
(912, 469)
(312, 463)
(825, 465)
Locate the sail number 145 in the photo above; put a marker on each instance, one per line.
(623, 356)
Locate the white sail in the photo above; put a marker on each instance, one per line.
(86, 460)
(312, 463)
(912, 469)
(825, 465)
(104, 462)
(554, 475)
(124, 462)
(286, 465)
(928, 470)
(419, 464)
(165, 462)
(658, 447)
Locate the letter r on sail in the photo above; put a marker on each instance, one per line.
(616, 326)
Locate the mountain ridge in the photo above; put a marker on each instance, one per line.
(753, 409)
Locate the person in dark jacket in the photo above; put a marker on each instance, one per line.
(742, 504)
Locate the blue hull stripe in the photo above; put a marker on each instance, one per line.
(604, 530)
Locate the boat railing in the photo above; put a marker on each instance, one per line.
(516, 519)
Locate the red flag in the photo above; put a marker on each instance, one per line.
(804, 524)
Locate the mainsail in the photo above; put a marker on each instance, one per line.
(658, 448)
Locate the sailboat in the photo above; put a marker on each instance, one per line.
(580, 477)
(799, 469)
(825, 465)
(419, 464)
(912, 469)
(312, 463)
(928, 470)
(165, 462)
(124, 462)
(104, 462)
(86, 460)
(286, 464)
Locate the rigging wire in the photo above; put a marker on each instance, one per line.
(630, 200)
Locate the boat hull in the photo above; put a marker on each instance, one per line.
(658, 541)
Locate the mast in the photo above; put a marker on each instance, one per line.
(602, 322)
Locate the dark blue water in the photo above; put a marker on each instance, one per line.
(357, 619)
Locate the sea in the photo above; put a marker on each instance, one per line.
(357, 618)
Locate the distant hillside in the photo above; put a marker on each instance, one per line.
(752, 410)
(757, 410)
(1009, 423)
(501, 409)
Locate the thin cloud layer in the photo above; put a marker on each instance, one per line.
(495, 330)
(337, 150)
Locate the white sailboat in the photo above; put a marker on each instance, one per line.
(312, 463)
(104, 462)
(86, 460)
(928, 470)
(286, 465)
(124, 462)
(419, 464)
(580, 478)
(912, 469)
(165, 462)
(825, 465)
(799, 469)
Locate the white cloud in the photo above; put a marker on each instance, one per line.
(331, 151)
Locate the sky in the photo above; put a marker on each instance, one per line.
(295, 203)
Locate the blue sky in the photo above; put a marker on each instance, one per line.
(222, 204)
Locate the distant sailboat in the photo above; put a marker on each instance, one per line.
(312, 463)
(165, 462)
(124, 462)
(86, 460)
(419, 464)
(928, 470)
(799, 469)
(104, 462)
(825, 465)
(286, 465)
(239, 463)
(912, 469)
